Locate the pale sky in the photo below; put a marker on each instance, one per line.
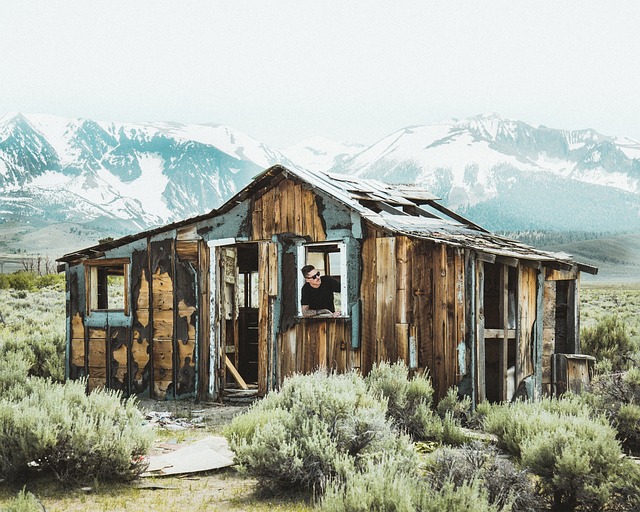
(355, 71)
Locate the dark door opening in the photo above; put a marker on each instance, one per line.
(500, 306)
(247, 300)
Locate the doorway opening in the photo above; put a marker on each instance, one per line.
(239, 318)
(500, 306)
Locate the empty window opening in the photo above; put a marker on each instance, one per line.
(108, 286)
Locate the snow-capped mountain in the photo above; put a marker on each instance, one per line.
(120, 178)
(506, 174)
(137, 174)
(321, 154)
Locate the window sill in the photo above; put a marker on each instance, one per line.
(322, 317)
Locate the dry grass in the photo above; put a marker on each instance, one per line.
(219, 490)
(599, 301)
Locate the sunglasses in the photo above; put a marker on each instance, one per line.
(316, 276)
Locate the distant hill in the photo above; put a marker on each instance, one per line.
(617, 257)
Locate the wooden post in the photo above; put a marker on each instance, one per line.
(503, 363)
(480, 359)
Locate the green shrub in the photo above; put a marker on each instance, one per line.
(609, 340)
(456, 499)
(30, 281)
(24, 502)
(574, 452)
(34, 327)
(19, 281)
(504, 484)
(13, 371)
(458, 407)
(387, 486)
(380, 486)
(59, 429)
(45, 354)
(317, 427)
(409, 400)
(54, 280)
(618, 397)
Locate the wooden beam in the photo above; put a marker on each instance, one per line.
(498, 334)
(454, 215)
(531, 264)
(235, 373)
(418, 212)
(510, 262)
(486, 257)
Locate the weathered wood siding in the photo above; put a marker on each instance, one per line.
(154, 351)
(548, 335)
(307, 345)
(140, 345)
(527, 286)
(288, 207)
(413, 289)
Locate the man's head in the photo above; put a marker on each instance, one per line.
(311, 275)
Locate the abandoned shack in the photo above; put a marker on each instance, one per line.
(198, 307)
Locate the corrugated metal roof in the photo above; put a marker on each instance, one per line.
(403, 209)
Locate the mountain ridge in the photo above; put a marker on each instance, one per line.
(506, 175)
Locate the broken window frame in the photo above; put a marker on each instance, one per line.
(97, 273)
(325, 248)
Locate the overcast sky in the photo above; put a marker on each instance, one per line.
(282, 71)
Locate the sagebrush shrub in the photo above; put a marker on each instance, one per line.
(13, 370)
(618, 396)
(44, 353)
(574, 451)
(24, 502)
(387, 486)
(383, 485)
(410, 402)
(609, 340)
(78, 437)
(316, 427)
(458, 407)
(34, 328)
(505, 484)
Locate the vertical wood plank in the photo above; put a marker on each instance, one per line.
(368, 295)
(402, 335)
(385, 294)
(527, 308)
(503, 363)
(306, 214)
(403, 280)
(298, 226)
(256, 219)
(423, 305)
(321, 336)
(278, 212)
(264, 265)
(461, 312)
(286, 213)
(204, 343)
(480, 354)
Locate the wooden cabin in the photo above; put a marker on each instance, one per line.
(202, 306)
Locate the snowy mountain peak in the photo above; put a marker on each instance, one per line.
(320, 153)
(144, 173)
(499, 172)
